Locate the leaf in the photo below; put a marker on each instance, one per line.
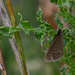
(39, 13)
(4, 31)
(5, 28)
(19, 26)
(46, 45)
(38, 34)
(12, 30)
(26, 31)
(25, 24)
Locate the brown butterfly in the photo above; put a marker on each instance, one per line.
(56, 50)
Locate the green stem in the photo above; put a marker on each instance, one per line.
(17, 37)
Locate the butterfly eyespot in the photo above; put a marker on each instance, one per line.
(58, 53)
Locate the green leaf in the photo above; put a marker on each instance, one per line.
(46, 45)
(25, 24)
(4, 31)
(14, 29)
(38, 34)
(26, 31)
(5, 28)
(39, 13)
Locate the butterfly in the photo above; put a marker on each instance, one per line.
(55, 50)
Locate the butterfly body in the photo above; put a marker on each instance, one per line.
(56, 50)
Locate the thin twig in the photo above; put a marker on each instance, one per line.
(2, 67)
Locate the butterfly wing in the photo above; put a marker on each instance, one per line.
(48, 55)
(55, 50)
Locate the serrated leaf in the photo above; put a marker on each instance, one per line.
(39, 13)
(4, 31)
(38, 34)
(25, 24)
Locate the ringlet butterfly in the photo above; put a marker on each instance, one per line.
(56, 50)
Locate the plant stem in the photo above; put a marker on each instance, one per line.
(17, 37)
(2, 67)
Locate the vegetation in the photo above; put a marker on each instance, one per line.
(45, 32)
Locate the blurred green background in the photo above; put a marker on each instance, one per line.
(34, 54)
